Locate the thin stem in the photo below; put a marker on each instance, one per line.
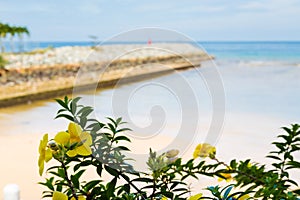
(69, 181)
(154, 185)
(284, 162)
(239, 172)
(130, 183)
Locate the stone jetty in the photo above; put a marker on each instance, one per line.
(54, 72)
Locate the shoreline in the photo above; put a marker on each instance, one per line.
(104, 69)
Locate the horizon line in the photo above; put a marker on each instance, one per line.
(157, 41)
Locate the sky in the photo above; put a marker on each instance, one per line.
(201, 20)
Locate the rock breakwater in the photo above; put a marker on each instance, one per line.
(54, 72)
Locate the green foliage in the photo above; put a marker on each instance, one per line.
(3, 62)
(226, 193)
(6, 29)
(168, 175)
(274, 183)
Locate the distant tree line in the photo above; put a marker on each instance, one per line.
(7, 30)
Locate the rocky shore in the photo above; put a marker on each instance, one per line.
(56, 71)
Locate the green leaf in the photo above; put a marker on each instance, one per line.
(75, 178)
(227, 191)
(297, 191)
(111, 187)
(96, 126)
(119, 120)
(82, 164)
(59, 187)
(48, 183)
(83, 121)
(273, 157)
(111, 127)
(76, 99)
(124, 188)
(123, 129)
(65, 116)
(293, 164)
(62, 103)
(66, 100)
(289, 131)
(61, 110)
(121, 138)
(87, 111)
(99, 170)
(113, 121)
(146, 180)
(90, 185)
(111, 171)
(123, 148)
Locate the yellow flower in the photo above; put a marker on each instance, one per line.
(164, 198)
(62, 196)
(45, 153)
(59, 196)
(244, 197)
(204, 150)
(226, 176)
(195, 197)
(75, 135)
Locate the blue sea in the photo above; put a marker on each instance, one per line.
(255, 51)
(287, 51)
(258, 83)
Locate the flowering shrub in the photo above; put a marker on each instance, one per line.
(89, 144)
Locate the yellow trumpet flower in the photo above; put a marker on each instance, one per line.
(195, 197)
(75, 135)
(61, 196)
(226, 176)
(45, 153)
(204, 150)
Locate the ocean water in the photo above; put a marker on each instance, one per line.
(255, 51)
(261, 77)
(288, 51)
(239, 50)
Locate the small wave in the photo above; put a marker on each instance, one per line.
(258, 63)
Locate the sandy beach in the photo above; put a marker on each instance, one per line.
(19, 150)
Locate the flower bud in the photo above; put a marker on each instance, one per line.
(172, 153)
(172, 160)
(52, 145)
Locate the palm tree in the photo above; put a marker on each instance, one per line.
(12, 32)
(20, 32)
(4, 29)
